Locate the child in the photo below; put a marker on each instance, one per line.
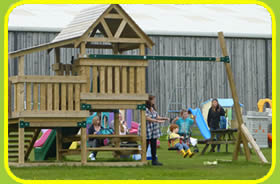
(175, 141)
(185, 122)
(94, 129)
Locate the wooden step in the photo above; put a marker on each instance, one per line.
(13, 155)
(16, 146)
(112, 149)
(25, 135)
(16, 141)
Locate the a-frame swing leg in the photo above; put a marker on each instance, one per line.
(244, 134)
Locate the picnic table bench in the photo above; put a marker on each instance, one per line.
(226, 136)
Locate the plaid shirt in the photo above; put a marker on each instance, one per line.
(152, 128)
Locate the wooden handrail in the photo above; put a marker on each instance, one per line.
(48, 79)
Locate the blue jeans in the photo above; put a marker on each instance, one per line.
(181, 146)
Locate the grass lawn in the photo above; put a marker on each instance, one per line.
(175, 167)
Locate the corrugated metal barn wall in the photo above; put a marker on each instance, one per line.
(190, 82)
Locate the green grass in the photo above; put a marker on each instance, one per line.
(175, 167)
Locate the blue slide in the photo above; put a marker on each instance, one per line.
(203, 128)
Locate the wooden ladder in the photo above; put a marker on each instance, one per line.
(30, 138)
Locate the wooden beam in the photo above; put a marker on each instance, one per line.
(119, 97)
(77, 97)
(134, 26)
(120, 29)
(9, 98)
(124, 80)
(20, 97)
(131, 80)
(58, 144)
(113, 136)
(94, 79)
(70, 97)
(110, 62)
(112, 149)
(57, 70)
(117, 141)
(82, 49)
(109, 79)
(20, 145)
(51, 114)
(50, 97)
(143, 136)
(115, 40)
(43, 97)
(106, 28)
(117, 80)
(234, 95)
(250, 138)
(102, 79)
(112, 16)
(21, 65)
(39, 48)
(30, 147)
(48, 79)
(83, 145)
(63, 97)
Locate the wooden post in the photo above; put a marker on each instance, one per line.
(58, 70)
(43, 97)
(117, 80)
(235, 99)
(21, 66)
(124, 79)
(50, 97)
(28, 96)
(58, 144)
(94, 79)
(20, 145)
(142, 72)
(82, 49)
(30, 147)
(117, 132)
(70, 97)
(143, 136)
(77, 97)
(83, 146)
(110, 79)
(9, 98)
(237, 109)
(20, 86)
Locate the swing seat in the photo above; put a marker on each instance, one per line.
(173, 149)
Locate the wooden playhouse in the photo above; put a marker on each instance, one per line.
(62, 102)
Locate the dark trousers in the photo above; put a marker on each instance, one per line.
(153, 143)
(94, 144)
(217, 138)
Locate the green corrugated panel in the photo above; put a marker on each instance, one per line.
(41, 152)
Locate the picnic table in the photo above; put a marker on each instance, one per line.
(226, 136)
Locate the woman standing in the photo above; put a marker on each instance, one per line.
(213, 118)
(152, 127)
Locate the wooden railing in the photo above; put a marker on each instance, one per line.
(45, 93)
(113, 76)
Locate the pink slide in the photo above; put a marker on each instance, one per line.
(134, 127)
(40, 142)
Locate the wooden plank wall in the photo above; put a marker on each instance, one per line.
(251, 66)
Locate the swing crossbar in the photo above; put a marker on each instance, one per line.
(225, 59)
